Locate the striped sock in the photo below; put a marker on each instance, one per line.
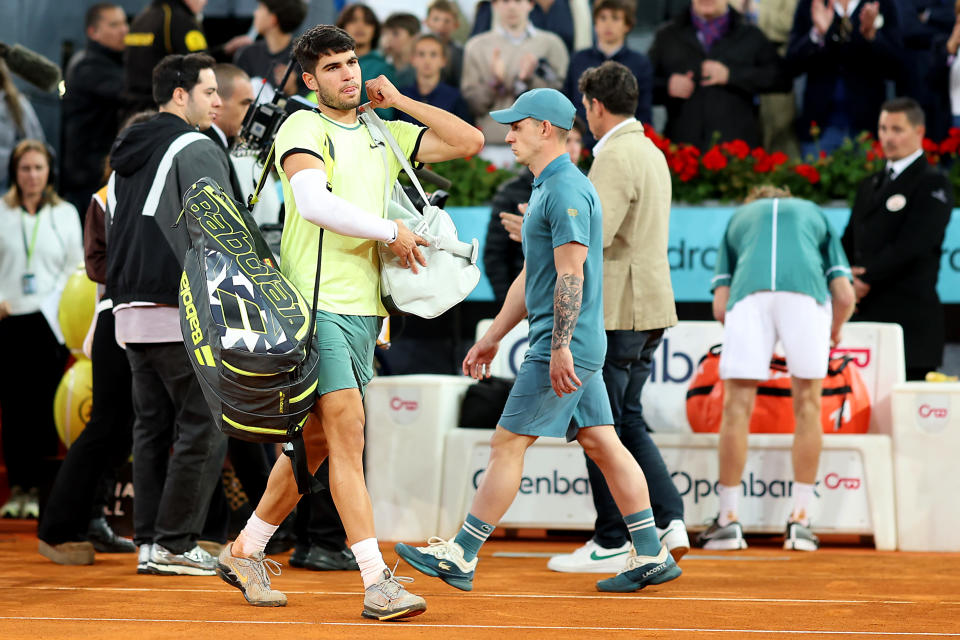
(473, 534)
(643, 532)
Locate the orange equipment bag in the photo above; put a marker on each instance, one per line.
(845, 401)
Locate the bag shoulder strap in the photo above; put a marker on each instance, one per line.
(268, 166)
(379, 132)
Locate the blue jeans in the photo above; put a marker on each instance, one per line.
(626, 369)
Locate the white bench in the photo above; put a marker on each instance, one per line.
(422, 470)
(926, 440)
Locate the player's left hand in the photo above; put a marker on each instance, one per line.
(381, 93)
(563, 378)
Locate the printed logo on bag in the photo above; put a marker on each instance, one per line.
(933, 412)
(861, 357)
(834, 481)
(405, 406)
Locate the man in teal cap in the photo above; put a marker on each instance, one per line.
(559, 390)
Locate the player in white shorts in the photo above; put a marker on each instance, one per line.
(782, 275)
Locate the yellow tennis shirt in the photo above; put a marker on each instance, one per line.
(350, 269)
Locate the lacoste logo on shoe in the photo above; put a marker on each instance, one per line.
(656, 569)
(443, 564)
(595, 556)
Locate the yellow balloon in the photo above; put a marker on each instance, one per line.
(73, 401)
(77, 306)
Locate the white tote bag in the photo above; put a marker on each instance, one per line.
(451, 272)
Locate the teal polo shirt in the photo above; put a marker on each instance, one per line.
(564, 207)
(779, 244)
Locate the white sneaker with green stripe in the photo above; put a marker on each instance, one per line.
(591, 558)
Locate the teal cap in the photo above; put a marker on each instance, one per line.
(539, 104)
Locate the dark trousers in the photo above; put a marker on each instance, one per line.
(177, 450)
(102, 446)
(318, 522)
(33, 364)
(250, 465)
(625, 371)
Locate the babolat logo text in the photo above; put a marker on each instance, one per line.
(553, 484)
(752, 486)
(190, 309)
(236, 243)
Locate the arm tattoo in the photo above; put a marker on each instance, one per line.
(566, 308)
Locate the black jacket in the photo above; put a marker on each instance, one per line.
(154, 163)
(164, 27)
(895, 231)
(863, 66)
(503, 257)
(728, 109)
(91, 116)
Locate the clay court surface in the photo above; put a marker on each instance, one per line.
(843, 591)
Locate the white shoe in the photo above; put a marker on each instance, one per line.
(675, 538)
(591, 558)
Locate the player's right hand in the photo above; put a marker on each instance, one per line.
(405, 247)
(476, 363)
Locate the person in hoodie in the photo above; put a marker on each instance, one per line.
(91, 104)
(177, 449)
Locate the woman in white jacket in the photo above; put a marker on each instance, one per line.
(40, 246)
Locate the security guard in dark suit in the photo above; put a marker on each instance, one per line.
(894, 236)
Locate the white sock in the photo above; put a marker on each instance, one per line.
(367, 553)
(729, 496)
(802, 495)
(256, 535)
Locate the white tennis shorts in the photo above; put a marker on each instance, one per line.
(755, 323)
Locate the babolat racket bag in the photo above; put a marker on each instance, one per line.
(247, 330)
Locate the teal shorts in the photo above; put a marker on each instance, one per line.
(533, 409)
(346, 345)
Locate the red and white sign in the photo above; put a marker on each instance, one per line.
(933, 411)
(404, 405)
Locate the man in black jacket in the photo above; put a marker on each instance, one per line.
(894, 237)
(177, 450)
(91, 105)
(708, 66)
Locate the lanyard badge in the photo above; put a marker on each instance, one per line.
(28, 282)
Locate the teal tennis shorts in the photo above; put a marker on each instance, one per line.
(533, 409)
(346, 345)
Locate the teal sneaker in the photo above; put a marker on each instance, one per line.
(641, 571)
(441, 559)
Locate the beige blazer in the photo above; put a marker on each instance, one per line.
(633, 181)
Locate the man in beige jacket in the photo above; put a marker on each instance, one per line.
(633, 181)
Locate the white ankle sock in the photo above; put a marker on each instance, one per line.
(802, 496)
(255, 535)
(729, 497)
(367, 553)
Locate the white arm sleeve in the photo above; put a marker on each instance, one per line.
(324, 209)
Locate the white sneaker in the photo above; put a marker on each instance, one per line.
(591, 558)
(675, 538)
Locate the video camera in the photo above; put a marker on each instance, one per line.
(263, 120)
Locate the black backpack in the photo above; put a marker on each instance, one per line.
(248, 332)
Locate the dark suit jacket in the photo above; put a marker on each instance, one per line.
(895, 231)
(754, 67)
(863, 66)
